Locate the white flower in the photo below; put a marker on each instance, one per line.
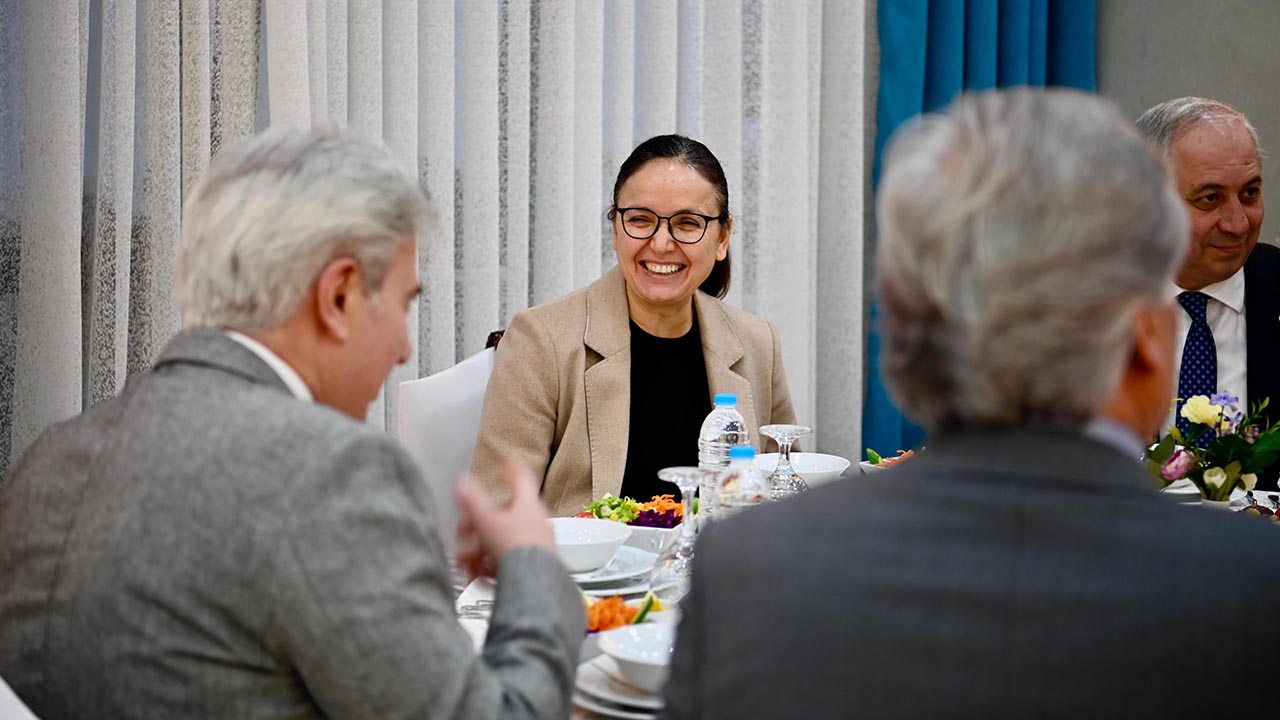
(1250, 480)
(1215, 477)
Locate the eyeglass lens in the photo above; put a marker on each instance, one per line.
(643, 224)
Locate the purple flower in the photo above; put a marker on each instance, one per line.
(1224, 398)
(1178, 465)
(1251, 434)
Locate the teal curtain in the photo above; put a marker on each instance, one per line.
(930, 51)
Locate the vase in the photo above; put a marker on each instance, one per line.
(1216, 504)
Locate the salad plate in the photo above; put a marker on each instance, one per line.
(629, 562)
(600, 678)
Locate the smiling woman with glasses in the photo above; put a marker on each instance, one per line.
(597, 391)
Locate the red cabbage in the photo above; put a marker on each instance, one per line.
(653, 519)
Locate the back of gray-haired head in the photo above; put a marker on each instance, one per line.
(274, 209)
(1019, 234)
(1164, 123)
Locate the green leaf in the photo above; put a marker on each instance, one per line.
(1162, 452)
(1269, 442)
(1259, 462)
(1153, 467)
(873, 457)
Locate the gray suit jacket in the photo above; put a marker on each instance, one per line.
(1017, 574)
(205, 545)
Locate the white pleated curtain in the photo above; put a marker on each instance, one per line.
(515, 114)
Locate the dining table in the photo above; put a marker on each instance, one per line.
(475, 605)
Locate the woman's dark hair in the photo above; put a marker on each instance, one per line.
(696, 155)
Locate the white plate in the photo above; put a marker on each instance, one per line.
(633, 587)
(600, 678)
(629, 562)
(583, 700)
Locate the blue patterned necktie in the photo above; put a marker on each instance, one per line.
(1199, 373)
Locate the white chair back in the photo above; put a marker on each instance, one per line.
(11, 708)
(439, 418)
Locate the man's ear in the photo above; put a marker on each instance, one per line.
(338, 285)
(1152, 341)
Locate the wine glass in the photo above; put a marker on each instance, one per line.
(784, 482)
(670, 577)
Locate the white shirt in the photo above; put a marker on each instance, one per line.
(291, 378)
(1118, 436)
(1225, 315)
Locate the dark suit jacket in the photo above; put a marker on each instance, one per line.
(1018, 574)
(1262, 334)
(205, 545)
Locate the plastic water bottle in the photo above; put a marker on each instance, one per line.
(724, 428)
(741, 485)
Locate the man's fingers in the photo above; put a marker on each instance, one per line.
(469, 499)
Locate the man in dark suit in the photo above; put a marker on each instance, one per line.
(1228, 285)
(1022, 565)
(226, 538)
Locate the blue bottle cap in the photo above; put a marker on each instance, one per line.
(726, 399)
(742, 452)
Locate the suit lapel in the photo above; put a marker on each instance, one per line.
(608, 381)
(721, 350)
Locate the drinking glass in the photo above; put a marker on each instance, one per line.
(784, 482)
(670, 577)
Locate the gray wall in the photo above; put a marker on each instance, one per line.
(1229, 50)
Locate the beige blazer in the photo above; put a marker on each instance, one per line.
(559, 399)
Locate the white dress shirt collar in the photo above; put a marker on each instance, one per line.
(287, 374)
(1118, 436)
(1229, 292)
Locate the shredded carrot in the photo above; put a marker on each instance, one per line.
(610, 613)
(902, 455)
(663, 503)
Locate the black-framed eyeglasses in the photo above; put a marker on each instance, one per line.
(687, 228)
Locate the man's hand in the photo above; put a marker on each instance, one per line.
(486, 532)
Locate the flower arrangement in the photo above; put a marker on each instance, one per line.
(1222, 450)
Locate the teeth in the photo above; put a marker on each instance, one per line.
(662, 269)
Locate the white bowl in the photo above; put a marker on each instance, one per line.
(815, 468)
(587, 544)
(868, 468)
(643, 652)
(653, 540)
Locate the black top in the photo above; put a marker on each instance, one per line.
(669, 400)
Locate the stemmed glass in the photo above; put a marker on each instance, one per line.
(784, 481)
(670, 577)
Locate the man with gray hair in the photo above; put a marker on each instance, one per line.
(1228, 285)
(1022, 565)
(226, 539)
